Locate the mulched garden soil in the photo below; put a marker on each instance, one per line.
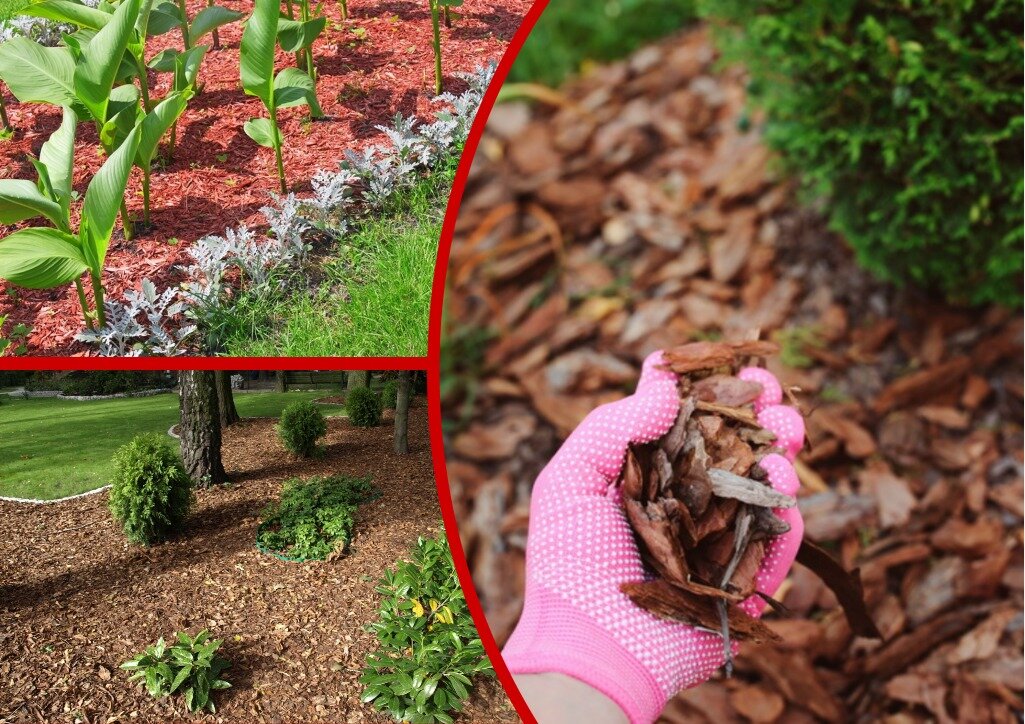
(364, 81)
(76, 600)
(642, 212)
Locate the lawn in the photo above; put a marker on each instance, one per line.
(64, 447)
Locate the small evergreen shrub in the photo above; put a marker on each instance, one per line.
(429, 650)
(314, 518)
(906, 117)
(150, 492)
(389, 394)
(300, 426)
(190, 666)
(363, 406)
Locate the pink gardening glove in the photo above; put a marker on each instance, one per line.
(580, 549)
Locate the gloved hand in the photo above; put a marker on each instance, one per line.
(580, 549)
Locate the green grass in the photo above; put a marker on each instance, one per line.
(51, 448)
(570, 33)
(8, 8)
(376, 297)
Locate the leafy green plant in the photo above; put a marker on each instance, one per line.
(190, 666)
(907, 118)
(18, 337)
(429, 650)
(389, 394)
(297, 36)
(301, 425)
(150, 492)
(363, 407)
(42, 257)
(290, 87)
(313, 518)
(437, 8)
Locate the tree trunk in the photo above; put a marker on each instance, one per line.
(225, 398)
(280, 383)
(402, 412)
(200, 428)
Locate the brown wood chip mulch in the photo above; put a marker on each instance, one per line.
(76, 600)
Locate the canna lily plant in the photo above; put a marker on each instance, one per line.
(297, 36)
(290, 87)
(48, 257)
(437, 8)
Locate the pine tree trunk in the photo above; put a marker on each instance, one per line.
(225, 398)
(357, 378)
(280, 383)
(402, 412)
(200, 428)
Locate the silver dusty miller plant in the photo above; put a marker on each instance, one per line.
(125, 336)
(43, 31)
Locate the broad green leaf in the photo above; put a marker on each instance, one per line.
(152, 682)
(137, 44)
(36, 74)
(125, 115)
(183, 674)
(262, 131)
(156, 123)
(296, 34)
(98, 68)
(21, 199)
(40, 258)
(164, 17)
(163, 62)
(210, 18)
(186, 67)
(58, 156)
(256, 57)
(103, 200)
(67, 11)
(293, 87)
(450, 3)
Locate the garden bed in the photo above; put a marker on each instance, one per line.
(76, 601)
(376, 64)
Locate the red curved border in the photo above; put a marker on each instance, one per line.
(434, 361)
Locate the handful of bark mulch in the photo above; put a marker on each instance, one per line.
(702, 507)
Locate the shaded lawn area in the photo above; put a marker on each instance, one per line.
(51, 448)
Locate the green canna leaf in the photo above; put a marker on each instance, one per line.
(98, 67)
(36, 74)
(156, 123)
(257, 51)
(103, 200)
(293, 87)
(262, 131)
(58, 156)
(67, 11)
(186, 67)
(210, 18)
(296, 34)
(164, 17)
(21, 199)
(40, 258)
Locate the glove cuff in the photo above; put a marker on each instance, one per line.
(553, 636)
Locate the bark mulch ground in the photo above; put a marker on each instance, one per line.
(640, 212)
(76, 601)
(376, 64)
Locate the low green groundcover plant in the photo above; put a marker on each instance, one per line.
(906, 117)
(190, 666)
(429, 649)
(314, 518)
(363, 406)
(301, 425)
(150, 492)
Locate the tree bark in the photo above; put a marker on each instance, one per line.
(357, 378)
(225, 398)
(200, 428)
(402, 412)
(280, 383)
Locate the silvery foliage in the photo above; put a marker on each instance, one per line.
(288, 224)
(124, 336)
(43, 31)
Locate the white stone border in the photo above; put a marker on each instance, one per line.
(35, 501)
(86, 398)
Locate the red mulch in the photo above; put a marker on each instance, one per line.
(76, 600)
(362, 83)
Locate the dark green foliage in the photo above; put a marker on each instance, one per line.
(389, 393)
(571, 32)
(906, 116)
(363, 406)
(429, 649)
(101, 382)
(190, 666)
(150, 492)
(313, 518)
(301, 425)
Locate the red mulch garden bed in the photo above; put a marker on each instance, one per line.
(364, 81)
(76, 600)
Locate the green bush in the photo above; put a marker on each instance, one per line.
(150, 492)
(429, 650)
(313, 518)
(906, 116)
(363, 406)
(300, 426)
(190, 666)
(101, 382)
(389, 393)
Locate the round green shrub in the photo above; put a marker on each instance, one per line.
(301, 425)
(906, 117)
(363, 406)
(389, 393)
(150, 493)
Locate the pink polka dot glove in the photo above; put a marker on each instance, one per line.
(580, 549)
